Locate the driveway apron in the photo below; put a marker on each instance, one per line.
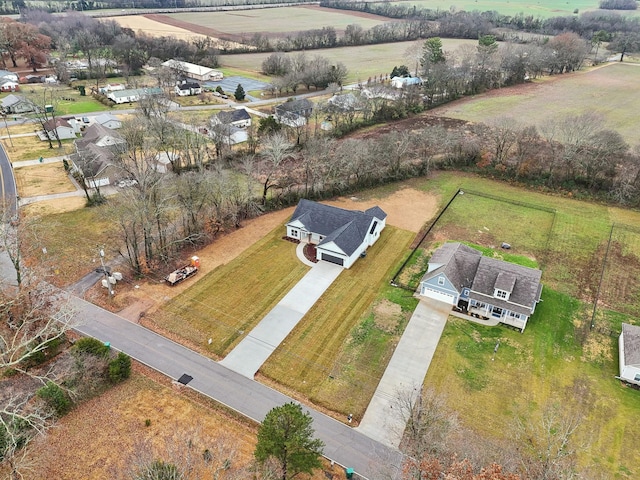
(249, 355)
(405, 372)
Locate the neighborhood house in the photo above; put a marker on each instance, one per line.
(294, 113)
(629, 343)
(238, 118)
(482, 286)
(132, 95)
(187, 89)
(340, 236)
(59, 129)
(17, 104)
(95, 154)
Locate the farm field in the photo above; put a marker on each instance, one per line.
(542, 8)
(274, 21)
(604, 90)
(140, 23)
(362, 61)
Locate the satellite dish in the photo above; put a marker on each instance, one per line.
(117, 276)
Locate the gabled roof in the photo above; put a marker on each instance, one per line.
(105, 118)
(234, 116)
(189, 68)
(457, 261)
(466, 267)
(523, 281)
(296, 106)
(140, 92)
(346, 228)
(12, 99)
(52, 124)
(631, 344)
(346, 101)
(93, 133)
(188, 85)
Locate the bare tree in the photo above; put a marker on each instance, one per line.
(547, 442)
(275, 149)
(429, 423)
(503, 133)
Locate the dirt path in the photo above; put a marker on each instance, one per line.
(406, 208)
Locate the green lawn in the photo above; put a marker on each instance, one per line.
(543, 366)
(539, 8)
(604, 90)
(229, 301)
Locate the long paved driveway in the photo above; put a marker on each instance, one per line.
(405, 372)
(249, 355)
(345, 445)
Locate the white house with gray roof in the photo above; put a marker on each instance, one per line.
(629, 343)
(340, 236)
(482, 286)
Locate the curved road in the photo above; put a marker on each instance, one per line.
(343, 444)
(8, 191)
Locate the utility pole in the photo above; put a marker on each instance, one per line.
(104, 270)
(4, 115)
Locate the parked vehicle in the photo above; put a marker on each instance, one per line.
(183, 272)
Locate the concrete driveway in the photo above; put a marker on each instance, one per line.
(249, 355)
(405, 372)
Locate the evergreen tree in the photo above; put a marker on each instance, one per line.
(286, 435)
(239, 93)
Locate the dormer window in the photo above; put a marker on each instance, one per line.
(501, 294)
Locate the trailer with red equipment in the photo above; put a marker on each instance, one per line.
(183, 273)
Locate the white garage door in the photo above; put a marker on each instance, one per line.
(443, 297)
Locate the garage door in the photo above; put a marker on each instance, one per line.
(332, 259)
(443, 297)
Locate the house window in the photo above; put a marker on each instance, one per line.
(501, 294)
(465, 292)
(373, 228)
(440, 280)
(637, 377)
(496, 312)
(294, 233)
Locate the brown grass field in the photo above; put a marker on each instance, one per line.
(275, 21)
(610, 90)
(42, 179)
(140, 23)
(113, 424)
(32, 148)
(362, 62)
(313, 361)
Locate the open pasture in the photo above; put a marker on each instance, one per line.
(538, 8)
(277, 21)
(610, 90)
(362, 62)
(140, 23)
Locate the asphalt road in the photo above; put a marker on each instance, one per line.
(344, 445)
(8, 192)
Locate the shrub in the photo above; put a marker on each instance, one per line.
(55, 398)
(51, 349)
(92, 346)
(120, 368)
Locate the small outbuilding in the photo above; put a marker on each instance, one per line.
(629, 343)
